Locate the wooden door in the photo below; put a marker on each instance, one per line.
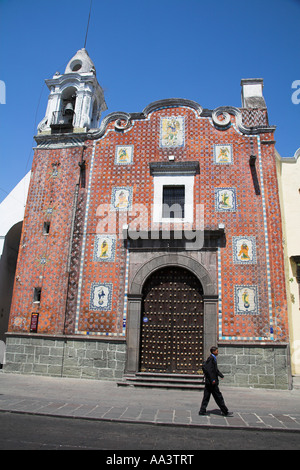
(172, 323)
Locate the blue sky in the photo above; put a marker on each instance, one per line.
(143, 51)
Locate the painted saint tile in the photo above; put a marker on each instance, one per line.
(223, 154)
(172, 131)
(101, 296)
(50, 210)
(225, 199)
(246, 300)
(55, 170)
(104, 248)
(244, 250)
(124, 154)
(121, 199)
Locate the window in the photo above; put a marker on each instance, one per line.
(82, 174)
(37, 294)
(173, 202)
(173, 199)
(46, 228)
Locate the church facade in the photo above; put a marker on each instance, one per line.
(149, 237)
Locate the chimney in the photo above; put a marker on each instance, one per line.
(252, 93)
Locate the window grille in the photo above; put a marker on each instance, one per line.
(173, 202)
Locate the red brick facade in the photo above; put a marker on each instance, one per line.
(62, 262)
(94, 232)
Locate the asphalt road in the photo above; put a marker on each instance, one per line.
(31, 432)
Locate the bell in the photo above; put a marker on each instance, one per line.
(69, 108)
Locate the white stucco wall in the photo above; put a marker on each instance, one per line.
(13, 207)
(289, 178)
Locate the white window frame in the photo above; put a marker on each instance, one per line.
(173, 180)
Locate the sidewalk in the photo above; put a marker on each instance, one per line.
(104, 400)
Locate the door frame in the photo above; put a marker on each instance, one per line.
(169, 354)
(134, 296)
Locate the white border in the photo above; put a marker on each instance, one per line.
(173, 180)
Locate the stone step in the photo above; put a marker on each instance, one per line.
(159, 380)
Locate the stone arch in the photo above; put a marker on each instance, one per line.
(135, 302)
(209, 287)
(68, 97)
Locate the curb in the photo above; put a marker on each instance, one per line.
(226, 426)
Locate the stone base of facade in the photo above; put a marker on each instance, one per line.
(65, 357)
(257, 366)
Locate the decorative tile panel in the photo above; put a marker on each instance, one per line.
(244, 250)
(101, 296)
(172, 131)
(223, 154)
(225, 199)
(246, 300)
(104, 248)
(121, 199)
(124, 154)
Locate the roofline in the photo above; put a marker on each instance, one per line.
(124, 121)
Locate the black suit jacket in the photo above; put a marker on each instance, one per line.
(211, 371)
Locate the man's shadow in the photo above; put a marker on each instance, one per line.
(214, 412)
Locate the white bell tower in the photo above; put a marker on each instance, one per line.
(76, 99)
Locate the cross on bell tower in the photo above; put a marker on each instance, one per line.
(76, 99)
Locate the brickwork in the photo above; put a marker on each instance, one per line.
(74, 260)
(82, 265)
(44, 257)
(256, 201)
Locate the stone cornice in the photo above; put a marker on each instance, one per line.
(71, 77)
(54, 141)
(180, 168)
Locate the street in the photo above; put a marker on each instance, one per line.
(31, 432)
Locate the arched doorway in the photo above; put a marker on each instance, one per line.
(172, 323)
(8, 262)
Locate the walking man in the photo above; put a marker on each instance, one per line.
(212, 374)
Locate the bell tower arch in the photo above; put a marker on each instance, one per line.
(76, 99)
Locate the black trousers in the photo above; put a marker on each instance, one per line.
(215, 392)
